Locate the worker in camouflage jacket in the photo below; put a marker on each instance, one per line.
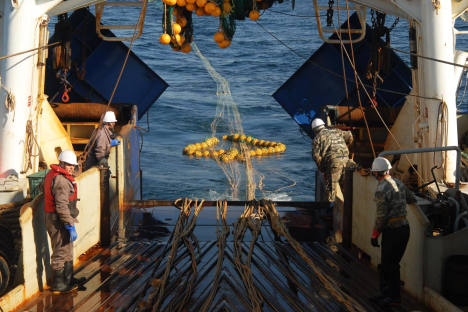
(100, 143)
(331, 154)
(391, 197)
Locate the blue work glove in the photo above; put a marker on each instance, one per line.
(72, 230)
(115, 142)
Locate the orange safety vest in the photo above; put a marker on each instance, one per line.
(49, 200)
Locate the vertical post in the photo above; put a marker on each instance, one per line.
(348, 208)
(120, 167)
(134, 117)
(18, 78)
(438, 82)
(105, 233)
(319, 187)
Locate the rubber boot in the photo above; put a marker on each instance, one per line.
(71, 280)
(59, 282)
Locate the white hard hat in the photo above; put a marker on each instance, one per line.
(381, 164)
(317, 122)
(109, 117)
(68, 157)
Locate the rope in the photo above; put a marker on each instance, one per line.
(277, 225)
(251, 218)
(293, 183)
(123, 65)
(29, 143)
(377, 111)
(289, 14)
(10, 100)
(343, 64)
(182, 233)
(362, 84)
(30, 50)
(222, 232)
(356, 75)
(339, 75)
(442, 116)
(93, 137)
(390, 48)
(427, 57)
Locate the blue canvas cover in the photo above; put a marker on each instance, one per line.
(101, 61)
(319, 81)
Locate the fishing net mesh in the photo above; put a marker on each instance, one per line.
(227, 111)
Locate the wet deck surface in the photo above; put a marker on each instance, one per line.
(121, 277)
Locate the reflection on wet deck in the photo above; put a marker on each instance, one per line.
(121, 277)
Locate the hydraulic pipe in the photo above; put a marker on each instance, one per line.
(432, 149)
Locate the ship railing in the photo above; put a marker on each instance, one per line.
(347, 32)
(137, 28)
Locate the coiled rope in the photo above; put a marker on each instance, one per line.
(268, 208)
(251, 219)
(222, 232)
(10, 101)
(182, 234)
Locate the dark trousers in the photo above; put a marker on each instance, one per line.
(394, 243)
(62, 247)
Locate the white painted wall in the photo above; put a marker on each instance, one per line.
(36, 242)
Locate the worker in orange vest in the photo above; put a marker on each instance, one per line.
(60, 197)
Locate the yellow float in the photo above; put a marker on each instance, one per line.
(258, 148)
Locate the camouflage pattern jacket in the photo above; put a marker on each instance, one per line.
(391, 197)
(329, 144)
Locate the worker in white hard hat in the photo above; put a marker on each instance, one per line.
(98, 149)
(60, 197)
(391, 197)
(331, 154)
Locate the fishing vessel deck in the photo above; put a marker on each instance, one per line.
(119, 277)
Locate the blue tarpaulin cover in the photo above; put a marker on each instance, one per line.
(102, 61)
(319, 81)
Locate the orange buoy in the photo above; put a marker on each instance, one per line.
(165, 39)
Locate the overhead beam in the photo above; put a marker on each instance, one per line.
(400, 8)
(71, 5)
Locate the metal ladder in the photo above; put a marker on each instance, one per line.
(138, 27)
(361, 12)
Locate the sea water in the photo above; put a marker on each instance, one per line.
(261, 57)
(258, 61)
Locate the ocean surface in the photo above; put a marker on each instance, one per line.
(261, 57)
(259, 60)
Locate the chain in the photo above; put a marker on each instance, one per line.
(330, 13)
(395, 22)
(373, 18)
(380, 24)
